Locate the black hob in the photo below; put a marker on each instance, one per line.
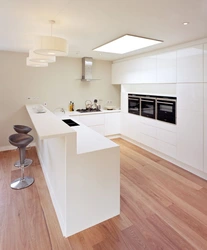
(70, 122)
(88, 110)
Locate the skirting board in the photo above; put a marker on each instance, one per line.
(54, 201)
(168, 158)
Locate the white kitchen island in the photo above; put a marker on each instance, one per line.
(82, 171)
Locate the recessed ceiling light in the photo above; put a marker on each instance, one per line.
(127, 43)
(185, 23)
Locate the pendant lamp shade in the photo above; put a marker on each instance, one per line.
(51, 45)
(33, 57)
(35, 64)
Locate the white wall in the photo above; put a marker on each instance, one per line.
(56, 85)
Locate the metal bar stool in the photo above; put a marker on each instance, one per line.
(21, 141)
(22, 129)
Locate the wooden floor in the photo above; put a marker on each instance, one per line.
(162, 207)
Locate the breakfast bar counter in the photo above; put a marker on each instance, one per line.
(82, 171)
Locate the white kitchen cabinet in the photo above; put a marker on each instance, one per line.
(166, 136)
(112, 123)
(190, 64)
(166, 67)
(130, 126)
(124, 102)
(148, 130)
(119, 72)
(166, 148)
(148, 69)
(94, 121)
(205, 63)
(205, 127)
(133, 71)
(139, 70)
(190, 124)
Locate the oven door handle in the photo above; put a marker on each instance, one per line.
(166, 100)
(170, 103)
(133, 99)
(146, 100)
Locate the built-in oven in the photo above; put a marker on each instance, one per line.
(133, 104)
(166, 109)
(148, 107)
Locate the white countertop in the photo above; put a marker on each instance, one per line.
(50, 125)
(89, 140)
(47, 124)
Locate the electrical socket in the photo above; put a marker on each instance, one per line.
(109, 102)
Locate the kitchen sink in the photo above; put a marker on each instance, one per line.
(70, 122)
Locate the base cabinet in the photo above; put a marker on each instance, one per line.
(105, 124)
(94, 121)
(112, 124)
(130, 126)
(151, 133)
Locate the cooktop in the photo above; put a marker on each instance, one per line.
(88, 110)
(70, 123)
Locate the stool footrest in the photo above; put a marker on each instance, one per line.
(22, 183)
(27, 163)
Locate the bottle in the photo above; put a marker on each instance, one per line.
(72, 106)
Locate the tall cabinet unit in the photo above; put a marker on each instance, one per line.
(190, 106)
(190, 124)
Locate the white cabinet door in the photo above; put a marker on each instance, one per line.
(119, 73)
(92, 119)
(133, 71)
(166, 67)
(190, 124)
(130, 126)
(205, 127)
(190, 64)
(124, 102)
(148, 69)
(205, 63)
(112, 123)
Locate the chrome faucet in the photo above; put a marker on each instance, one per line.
(62, 110)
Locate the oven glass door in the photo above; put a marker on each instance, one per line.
(166, 111)
(148, 108)
(134, 106)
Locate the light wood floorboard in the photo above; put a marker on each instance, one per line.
(162, 207)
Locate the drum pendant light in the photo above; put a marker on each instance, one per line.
(51, 45)
(33, 57)
(35, 64)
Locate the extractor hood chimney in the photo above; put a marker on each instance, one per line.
(87, 63)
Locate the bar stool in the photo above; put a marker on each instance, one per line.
(21, 141)
(22, 129)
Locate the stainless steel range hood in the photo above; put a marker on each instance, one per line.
(87, 64)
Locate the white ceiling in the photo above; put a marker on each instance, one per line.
(87, 24)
